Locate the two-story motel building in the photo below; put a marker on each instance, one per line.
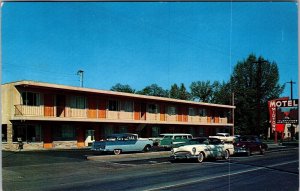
(48, 115)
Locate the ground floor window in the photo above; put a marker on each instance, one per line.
(27, 133)
(155, 131)
(201, 132)
(192, 130)
(64, 133)
(123, 129)
(108, 130)
(4, 133)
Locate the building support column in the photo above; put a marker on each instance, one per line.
(48, 143)
(80, 137)
(97, 133)
(10, 136)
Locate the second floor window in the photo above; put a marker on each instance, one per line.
(126, 106)
(113, 105)
(172, 110)
(192, 112)
(153, 108)
(78, 102)
(202, 112)
(31, 98)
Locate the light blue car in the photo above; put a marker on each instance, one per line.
(125, 142)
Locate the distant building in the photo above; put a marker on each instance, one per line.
(48, 115)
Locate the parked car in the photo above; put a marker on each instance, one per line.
(167, 139)
(118, 143)
(193, 141)
(210, 148)
(224, 136)
(249, 145)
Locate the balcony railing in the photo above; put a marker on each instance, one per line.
(39, 111)
(29, 110)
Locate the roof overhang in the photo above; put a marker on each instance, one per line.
(44, 85)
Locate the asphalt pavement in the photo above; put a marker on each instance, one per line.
(158, 154)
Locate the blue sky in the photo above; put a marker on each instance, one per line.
(144, 43)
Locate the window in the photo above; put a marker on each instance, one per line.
(4, 133)
(78, 102)
(153, 108)
(30, 98)
(172, 110)
(28, 133)
(113, 105)
(192, 112)
(67, 132)
(202, 112)
(64, 133)
(155, 131)
(126, 106)
(123, 129)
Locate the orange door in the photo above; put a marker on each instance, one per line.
(48, 105)
(102, 109)
(92, 107)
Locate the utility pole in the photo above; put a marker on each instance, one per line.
(258, 92)
(291, 82)
(292, 127)
(80, 73)
(233, 114)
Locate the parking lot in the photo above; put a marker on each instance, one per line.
(82, 170)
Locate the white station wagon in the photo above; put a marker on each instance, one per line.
(211, 148)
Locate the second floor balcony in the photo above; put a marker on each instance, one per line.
(56, 112)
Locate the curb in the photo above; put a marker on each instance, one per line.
(129, 156)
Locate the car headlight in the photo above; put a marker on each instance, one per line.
(194, 150)
(244, 146)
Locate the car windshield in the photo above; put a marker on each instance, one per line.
(197, 141)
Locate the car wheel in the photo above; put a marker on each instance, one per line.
(200, 157)
(147, 148)
(262, 151)
(117, 151)
(226, 155)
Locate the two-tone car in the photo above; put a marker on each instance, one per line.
(210, 148)
(125, 142)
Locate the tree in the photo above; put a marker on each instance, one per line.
(154, 90)
(221, 93)
(179, 92)
(122, 88)
(254, 82)
(201, 91)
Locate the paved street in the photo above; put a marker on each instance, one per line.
(69, 170)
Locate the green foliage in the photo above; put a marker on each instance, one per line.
(122, 88)
(253, 84)
(154, 90)
(179, 92)
(201, 91)
(221, 93)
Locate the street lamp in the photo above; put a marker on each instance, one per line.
(80, 73)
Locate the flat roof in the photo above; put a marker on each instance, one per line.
(27, 83)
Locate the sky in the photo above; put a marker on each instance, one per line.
(144, 43)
